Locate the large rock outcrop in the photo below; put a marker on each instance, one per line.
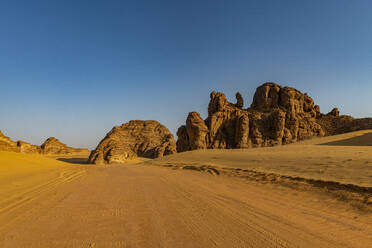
(137, 138)
(53, 146)
(278, 115)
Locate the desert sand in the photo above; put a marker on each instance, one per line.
(314, 193)
(345, 158)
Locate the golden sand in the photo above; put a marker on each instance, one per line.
(45, 202)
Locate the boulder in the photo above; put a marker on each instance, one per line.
(137, 138)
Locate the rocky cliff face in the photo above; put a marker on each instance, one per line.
(278, 115)
(134, 139)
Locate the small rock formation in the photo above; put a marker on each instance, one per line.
(333, 125)
(278, 115)
(6, 144)
(53, 146)
(25, 147)
(334, 112)
(137, 138)
(239, 100)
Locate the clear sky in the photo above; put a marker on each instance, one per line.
(74, 69)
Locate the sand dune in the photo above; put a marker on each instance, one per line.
(47, 202)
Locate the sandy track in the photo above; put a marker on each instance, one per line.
(148, 206)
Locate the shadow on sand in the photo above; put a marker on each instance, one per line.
(74, 160)
(363, 140)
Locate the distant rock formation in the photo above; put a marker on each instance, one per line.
(334, 112)
(278, 115)
(6, 144)
(53, 146)
(25, 147)
(333, 125)
(134, 139)
(239, 100)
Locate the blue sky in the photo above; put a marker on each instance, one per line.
(74, 69)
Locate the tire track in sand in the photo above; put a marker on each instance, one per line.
(8, 205)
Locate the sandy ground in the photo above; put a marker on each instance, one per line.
(340, 158)
(60, 203)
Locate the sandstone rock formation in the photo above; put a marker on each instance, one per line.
(134, 139)
(53, 146)
(239, 100)
(6, 144)
(334, 112)
(278, 115)
(333, 125)
(25, 147)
